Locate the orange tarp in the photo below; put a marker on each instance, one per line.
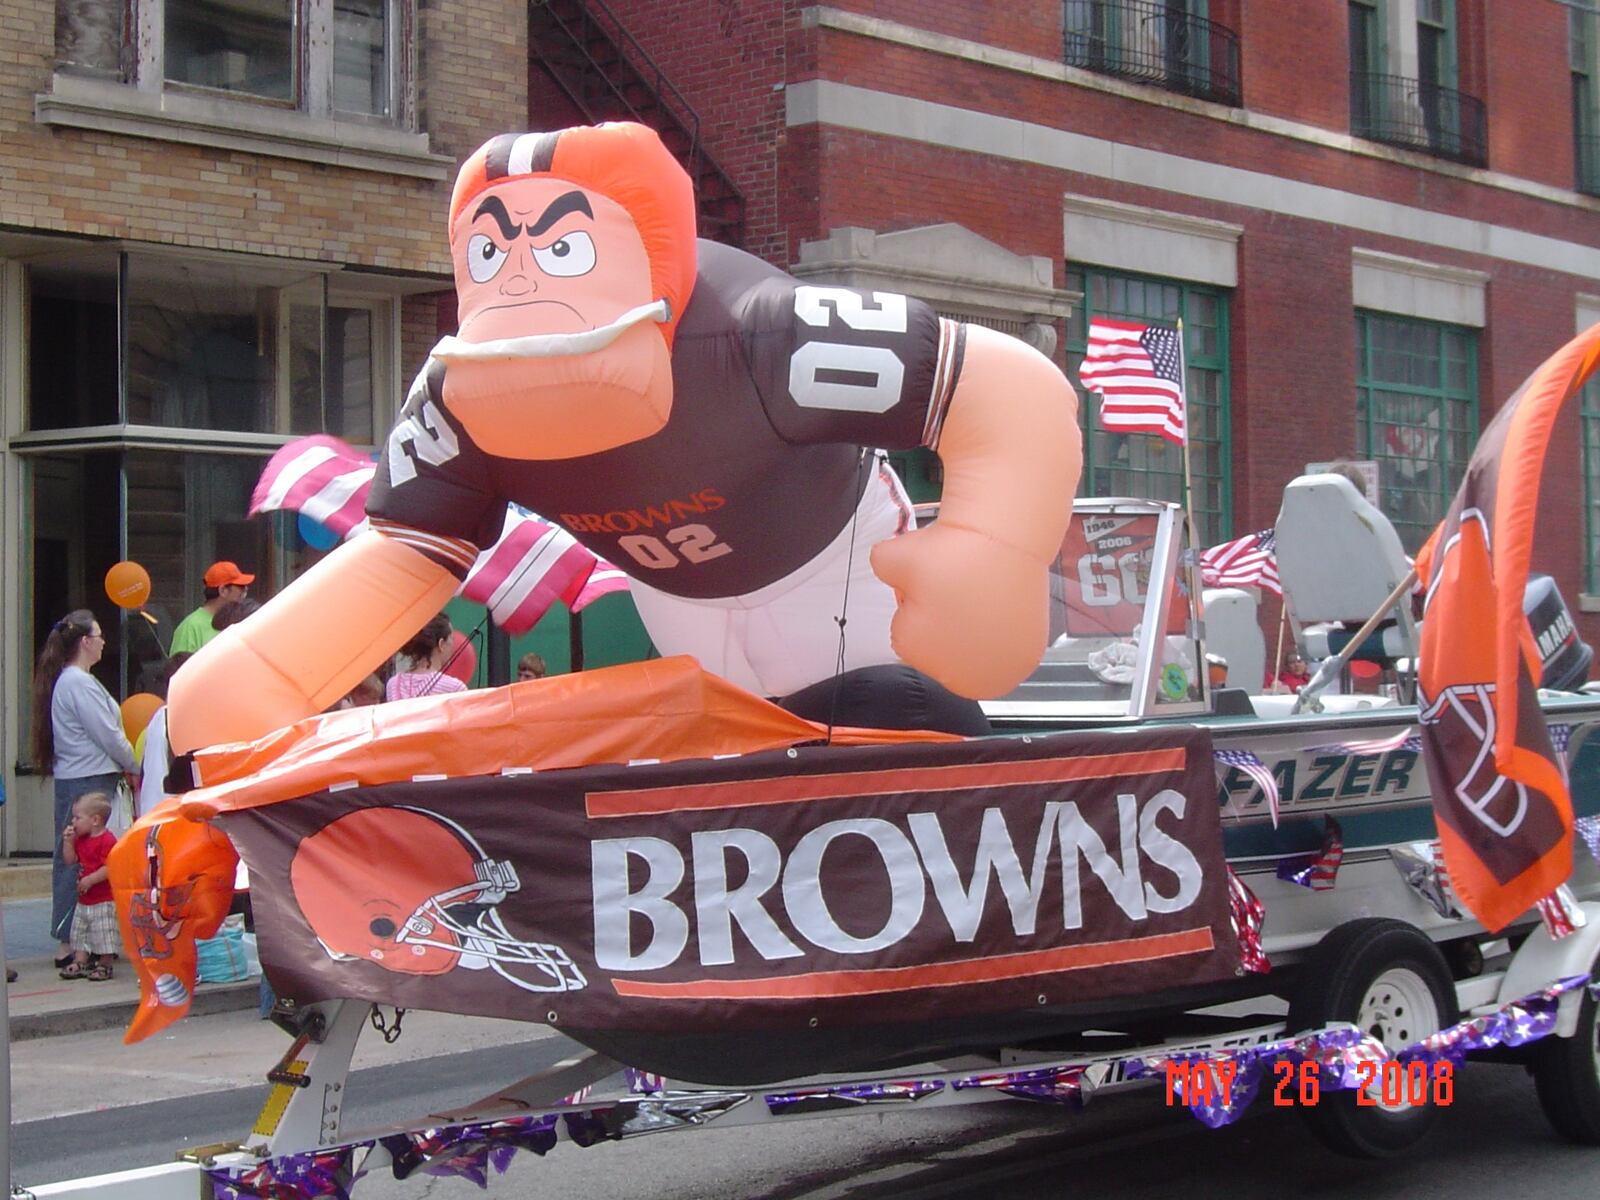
(665, 709)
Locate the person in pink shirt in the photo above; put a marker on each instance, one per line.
(425, 655)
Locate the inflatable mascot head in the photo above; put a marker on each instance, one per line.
(574, 257)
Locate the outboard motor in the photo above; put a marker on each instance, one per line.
(1564, 658)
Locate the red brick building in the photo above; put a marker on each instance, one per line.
(1375, 218)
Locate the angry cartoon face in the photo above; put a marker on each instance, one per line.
(565, 309)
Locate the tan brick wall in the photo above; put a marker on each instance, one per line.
(472, 82)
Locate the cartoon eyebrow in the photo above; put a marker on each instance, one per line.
(497, 210)
(559, 207)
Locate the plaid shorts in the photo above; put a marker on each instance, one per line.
(94, 929)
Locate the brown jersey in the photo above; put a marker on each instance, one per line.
(777, 384)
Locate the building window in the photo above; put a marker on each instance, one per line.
(1143, 465)
(1417, 411)
(231, 46)
(1404, 73)
(1582, 47)
(322, 57)
(1169, 43)
(1589, 418)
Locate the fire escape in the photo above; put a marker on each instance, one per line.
(608, 76)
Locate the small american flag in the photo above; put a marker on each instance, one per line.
(1254, 768)
(1248, 561)
(1319, 871)
(1138, 371)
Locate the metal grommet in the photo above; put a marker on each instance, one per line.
(1041, 998)
(550, 1016)
(792, 752)
(812, 1022)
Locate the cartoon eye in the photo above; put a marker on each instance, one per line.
(483, 258)
(571, 255)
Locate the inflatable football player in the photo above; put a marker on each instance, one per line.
(699, 418)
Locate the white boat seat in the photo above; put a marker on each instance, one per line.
(1339, 558)
(1234, 632)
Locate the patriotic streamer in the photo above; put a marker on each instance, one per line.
(1560, 913)
(1319, 871)
(1247, 914)
(1252, 766)
(1588, 831)
(1421, 865)
(530, 567)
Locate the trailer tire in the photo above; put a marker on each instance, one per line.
(1566, 1075)
(1386, 977)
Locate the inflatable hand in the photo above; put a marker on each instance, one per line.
(973, 589)
(973, 611)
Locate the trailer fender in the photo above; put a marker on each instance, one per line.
(1541, 960)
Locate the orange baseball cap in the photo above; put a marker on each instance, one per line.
(225, 574)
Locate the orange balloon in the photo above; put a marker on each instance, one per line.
(136, 713)
(128, 585)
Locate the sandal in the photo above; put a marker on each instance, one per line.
(99, 973)
(75, 970)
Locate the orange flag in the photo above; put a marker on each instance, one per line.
(1501, 800)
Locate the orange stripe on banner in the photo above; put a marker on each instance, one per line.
(746, 793)
(822, 984)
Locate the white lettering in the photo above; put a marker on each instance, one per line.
(1123, 882)
(1168, 852)
(963, 906)
(717, 909)
(808, 908)
(811, 305)
(614, 904)
(423, 436)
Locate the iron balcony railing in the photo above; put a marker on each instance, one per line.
(1154, 41)
(1419, 116)
(1589, 165)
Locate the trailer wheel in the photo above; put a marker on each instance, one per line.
(1386, 977)
(1566, 1074)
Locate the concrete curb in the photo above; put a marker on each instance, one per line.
(208, 999)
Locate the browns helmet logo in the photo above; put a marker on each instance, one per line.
(414, 893)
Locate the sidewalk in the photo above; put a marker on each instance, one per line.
(42, 1004)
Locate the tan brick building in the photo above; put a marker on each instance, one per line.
(221, 225)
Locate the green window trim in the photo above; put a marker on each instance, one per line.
(1143, 465)
(1589, 437)
(1416, 414)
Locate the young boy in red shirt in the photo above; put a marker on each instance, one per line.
(87, 842)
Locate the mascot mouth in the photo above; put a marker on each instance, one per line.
(551, 345)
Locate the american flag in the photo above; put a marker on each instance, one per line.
(1138, 371)
(1249, 561)
(533, 564)
(1319, 871)
(1254, 768)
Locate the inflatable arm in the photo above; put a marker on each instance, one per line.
(973, 588)
(308, 646)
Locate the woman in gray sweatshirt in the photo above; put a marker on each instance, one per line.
(78, 738)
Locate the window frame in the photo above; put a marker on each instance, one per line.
(1081, 278)
(1440, 397)
(312, 59)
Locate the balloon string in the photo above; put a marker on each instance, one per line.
(844, 601)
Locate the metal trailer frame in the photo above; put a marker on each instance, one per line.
(304, 1107)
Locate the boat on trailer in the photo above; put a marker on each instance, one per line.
(747, 917)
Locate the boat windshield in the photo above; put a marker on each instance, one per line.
(1124, 630)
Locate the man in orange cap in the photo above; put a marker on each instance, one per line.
(224, 582)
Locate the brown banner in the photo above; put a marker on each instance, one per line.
(772, 891)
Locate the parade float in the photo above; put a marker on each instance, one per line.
(878, 893)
